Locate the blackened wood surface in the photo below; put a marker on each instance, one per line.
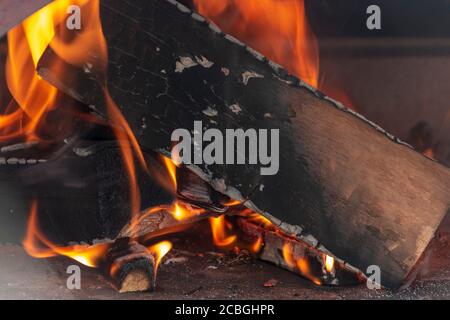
(82, 193)
(370, 199)
(12, 12)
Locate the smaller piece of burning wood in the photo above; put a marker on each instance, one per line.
(131, 266)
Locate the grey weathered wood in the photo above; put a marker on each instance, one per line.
(369, 198)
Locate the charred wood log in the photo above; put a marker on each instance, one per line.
(368, 197)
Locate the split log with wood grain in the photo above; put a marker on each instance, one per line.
(343, 184)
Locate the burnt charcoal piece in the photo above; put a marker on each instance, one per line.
(368, 197)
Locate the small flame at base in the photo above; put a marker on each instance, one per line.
(159, 250)
(329, 264)
(87, 255)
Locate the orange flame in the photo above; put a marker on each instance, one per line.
(256, 247)
(279, 29)
(300, 263)
(232, 203)
(172, 170)
(35, 97)
(181, 212)
(287, 255)
(303, 266)
(219, 231)
(169, 180)
(261, 220)
(35, 240)
(159, 250)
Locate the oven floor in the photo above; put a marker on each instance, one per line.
(203, 273)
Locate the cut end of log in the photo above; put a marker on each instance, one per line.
(130, 267)
(137, 279)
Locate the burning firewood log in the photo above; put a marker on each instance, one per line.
(362, 193)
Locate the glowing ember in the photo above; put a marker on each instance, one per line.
(232, 203)
(287, 255)
(256, 247)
